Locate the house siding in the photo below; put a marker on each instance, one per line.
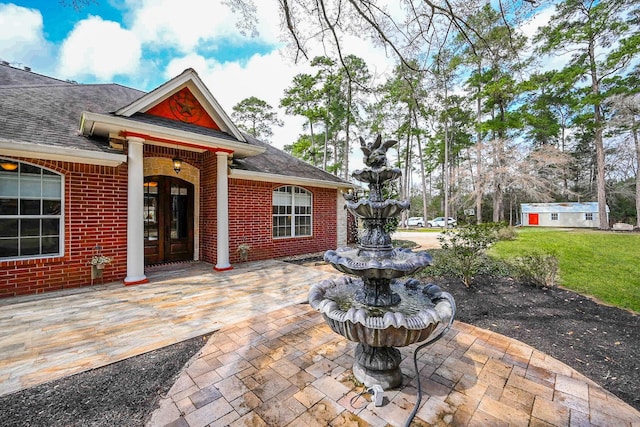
(95, 206)
(569, 214)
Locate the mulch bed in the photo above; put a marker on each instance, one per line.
(597, 340)
(121, 394)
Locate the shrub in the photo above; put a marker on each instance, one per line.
(507, 233)
(466, 245)
(538, 269)
(446, 265)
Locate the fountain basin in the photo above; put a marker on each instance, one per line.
(421, 310)
(374, 210)
(377, 175)
(397, 262)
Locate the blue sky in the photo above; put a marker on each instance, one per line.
(144, 43)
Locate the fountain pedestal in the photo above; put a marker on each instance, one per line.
(372, 306)
(378, 365)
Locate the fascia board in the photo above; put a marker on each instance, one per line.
(47, 152)
(286, 179)
(88, 121)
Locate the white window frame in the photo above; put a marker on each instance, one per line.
(555, 216)
(286, 212)
(588, 216)
(19, 196)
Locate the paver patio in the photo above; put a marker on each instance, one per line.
(274, 362)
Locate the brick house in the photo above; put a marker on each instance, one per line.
(144, 179)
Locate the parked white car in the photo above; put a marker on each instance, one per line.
(439, 222)
(415, 221)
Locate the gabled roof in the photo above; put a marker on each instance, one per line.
(187, 82)
(46, 118)
(276, 163)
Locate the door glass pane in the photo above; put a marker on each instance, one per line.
(179, 225)
(151, 211)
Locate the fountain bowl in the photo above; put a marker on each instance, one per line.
(423, 308)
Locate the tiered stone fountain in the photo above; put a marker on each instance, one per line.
(373, 306)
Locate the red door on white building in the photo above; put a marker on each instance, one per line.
(533, 219)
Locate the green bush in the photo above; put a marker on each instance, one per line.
(447, 265)
(466, 245)
(536, 268)
(507, 233)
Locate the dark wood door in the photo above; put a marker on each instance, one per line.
(168, 220)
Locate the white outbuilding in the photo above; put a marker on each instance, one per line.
(568, 214)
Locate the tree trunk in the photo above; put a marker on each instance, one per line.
(599, 143)
(423, 178)
(634, 131)
(479, 186)
(346, 138)
(326, 146)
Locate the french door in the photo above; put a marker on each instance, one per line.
(168, 220)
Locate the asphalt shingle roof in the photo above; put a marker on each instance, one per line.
(41, 110)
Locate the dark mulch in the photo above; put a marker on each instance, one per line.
(120, 394)
(599, 341)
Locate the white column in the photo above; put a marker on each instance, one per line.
(135, 207)
(223, 213)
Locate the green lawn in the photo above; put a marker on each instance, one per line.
(605, 265)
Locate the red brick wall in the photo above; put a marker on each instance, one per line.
(250, 221)
(95, 214)
(208, 209)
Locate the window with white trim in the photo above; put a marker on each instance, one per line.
(30, 211)
(554, 216)
(588, 216)
(291, 212)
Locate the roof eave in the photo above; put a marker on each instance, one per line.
(45, 152)
(287, 179)
(103, 124)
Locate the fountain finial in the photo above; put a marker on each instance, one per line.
(375, 154)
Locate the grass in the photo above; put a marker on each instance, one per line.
(604, 265)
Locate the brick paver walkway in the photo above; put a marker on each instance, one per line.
(287, 368)
(274, 362)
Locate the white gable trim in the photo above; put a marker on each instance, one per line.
(190, 79)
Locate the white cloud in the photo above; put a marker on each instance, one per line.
(263, 76)
(21, 36)
(187, 24)
(99, 48)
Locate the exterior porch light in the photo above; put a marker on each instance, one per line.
(9, 166)
(177, 164)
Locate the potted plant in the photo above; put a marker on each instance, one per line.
(99, 261)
